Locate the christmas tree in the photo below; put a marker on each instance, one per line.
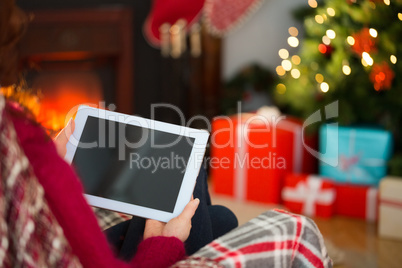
(351, 52)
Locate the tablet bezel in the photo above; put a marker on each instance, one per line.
(190, 175)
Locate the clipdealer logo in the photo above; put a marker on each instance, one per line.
(173, 161)
(242, 158)
(331, 111)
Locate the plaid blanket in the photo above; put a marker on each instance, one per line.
(30, 236)
(107, 218)
(274, 239)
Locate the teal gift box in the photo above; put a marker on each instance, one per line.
(354, 155)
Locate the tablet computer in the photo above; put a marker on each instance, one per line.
(134, 165)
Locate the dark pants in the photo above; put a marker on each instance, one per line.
(209, 222)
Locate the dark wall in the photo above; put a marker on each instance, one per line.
(147, 60)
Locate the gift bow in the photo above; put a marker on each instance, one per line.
(355, 166)
(309, 193)
(345, 163)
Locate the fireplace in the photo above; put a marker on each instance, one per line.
(62, 90)
(79, 56)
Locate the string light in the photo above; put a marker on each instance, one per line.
(324, 87)
(393, 59)
(312, 3)
(331, 34)
(280, 71)
(346, 69)
(293, 41)
(350, 40)
(319, 19)
(387, 2)
(400, 16)
(366, 58)
(319, 78)
(293, 31)
(326, 40)
(322, 48)
(331, 11)
(295, 73)
(287, 65)
(373, 32)
(296, 60)
(281, 88)
(283, 53)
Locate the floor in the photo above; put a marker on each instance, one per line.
(350, 242)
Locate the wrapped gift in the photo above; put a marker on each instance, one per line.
(354, 155)
(309, 195)
(390, 208)
(251, 154)
(357, 201)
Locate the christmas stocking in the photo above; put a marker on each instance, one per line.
(169, 11)
(224, 15)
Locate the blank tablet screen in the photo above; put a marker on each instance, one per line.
(132, 164)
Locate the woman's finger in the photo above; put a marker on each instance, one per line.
(63, 137)
(190, 209)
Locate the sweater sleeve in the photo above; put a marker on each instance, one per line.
(63, 192)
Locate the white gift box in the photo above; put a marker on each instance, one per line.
(390, 208)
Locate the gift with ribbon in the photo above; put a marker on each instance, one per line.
(309, 195)
(354, 155)
(357, 201)
(252, 153)
(390, 208)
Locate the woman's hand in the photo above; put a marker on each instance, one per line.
(178, 227)
(62, 138)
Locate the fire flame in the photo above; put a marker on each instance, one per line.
(55, 109)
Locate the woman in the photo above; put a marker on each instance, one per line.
(162, 245)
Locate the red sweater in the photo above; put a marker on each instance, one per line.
(63, 192)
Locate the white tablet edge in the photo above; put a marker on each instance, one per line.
(193, 166)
